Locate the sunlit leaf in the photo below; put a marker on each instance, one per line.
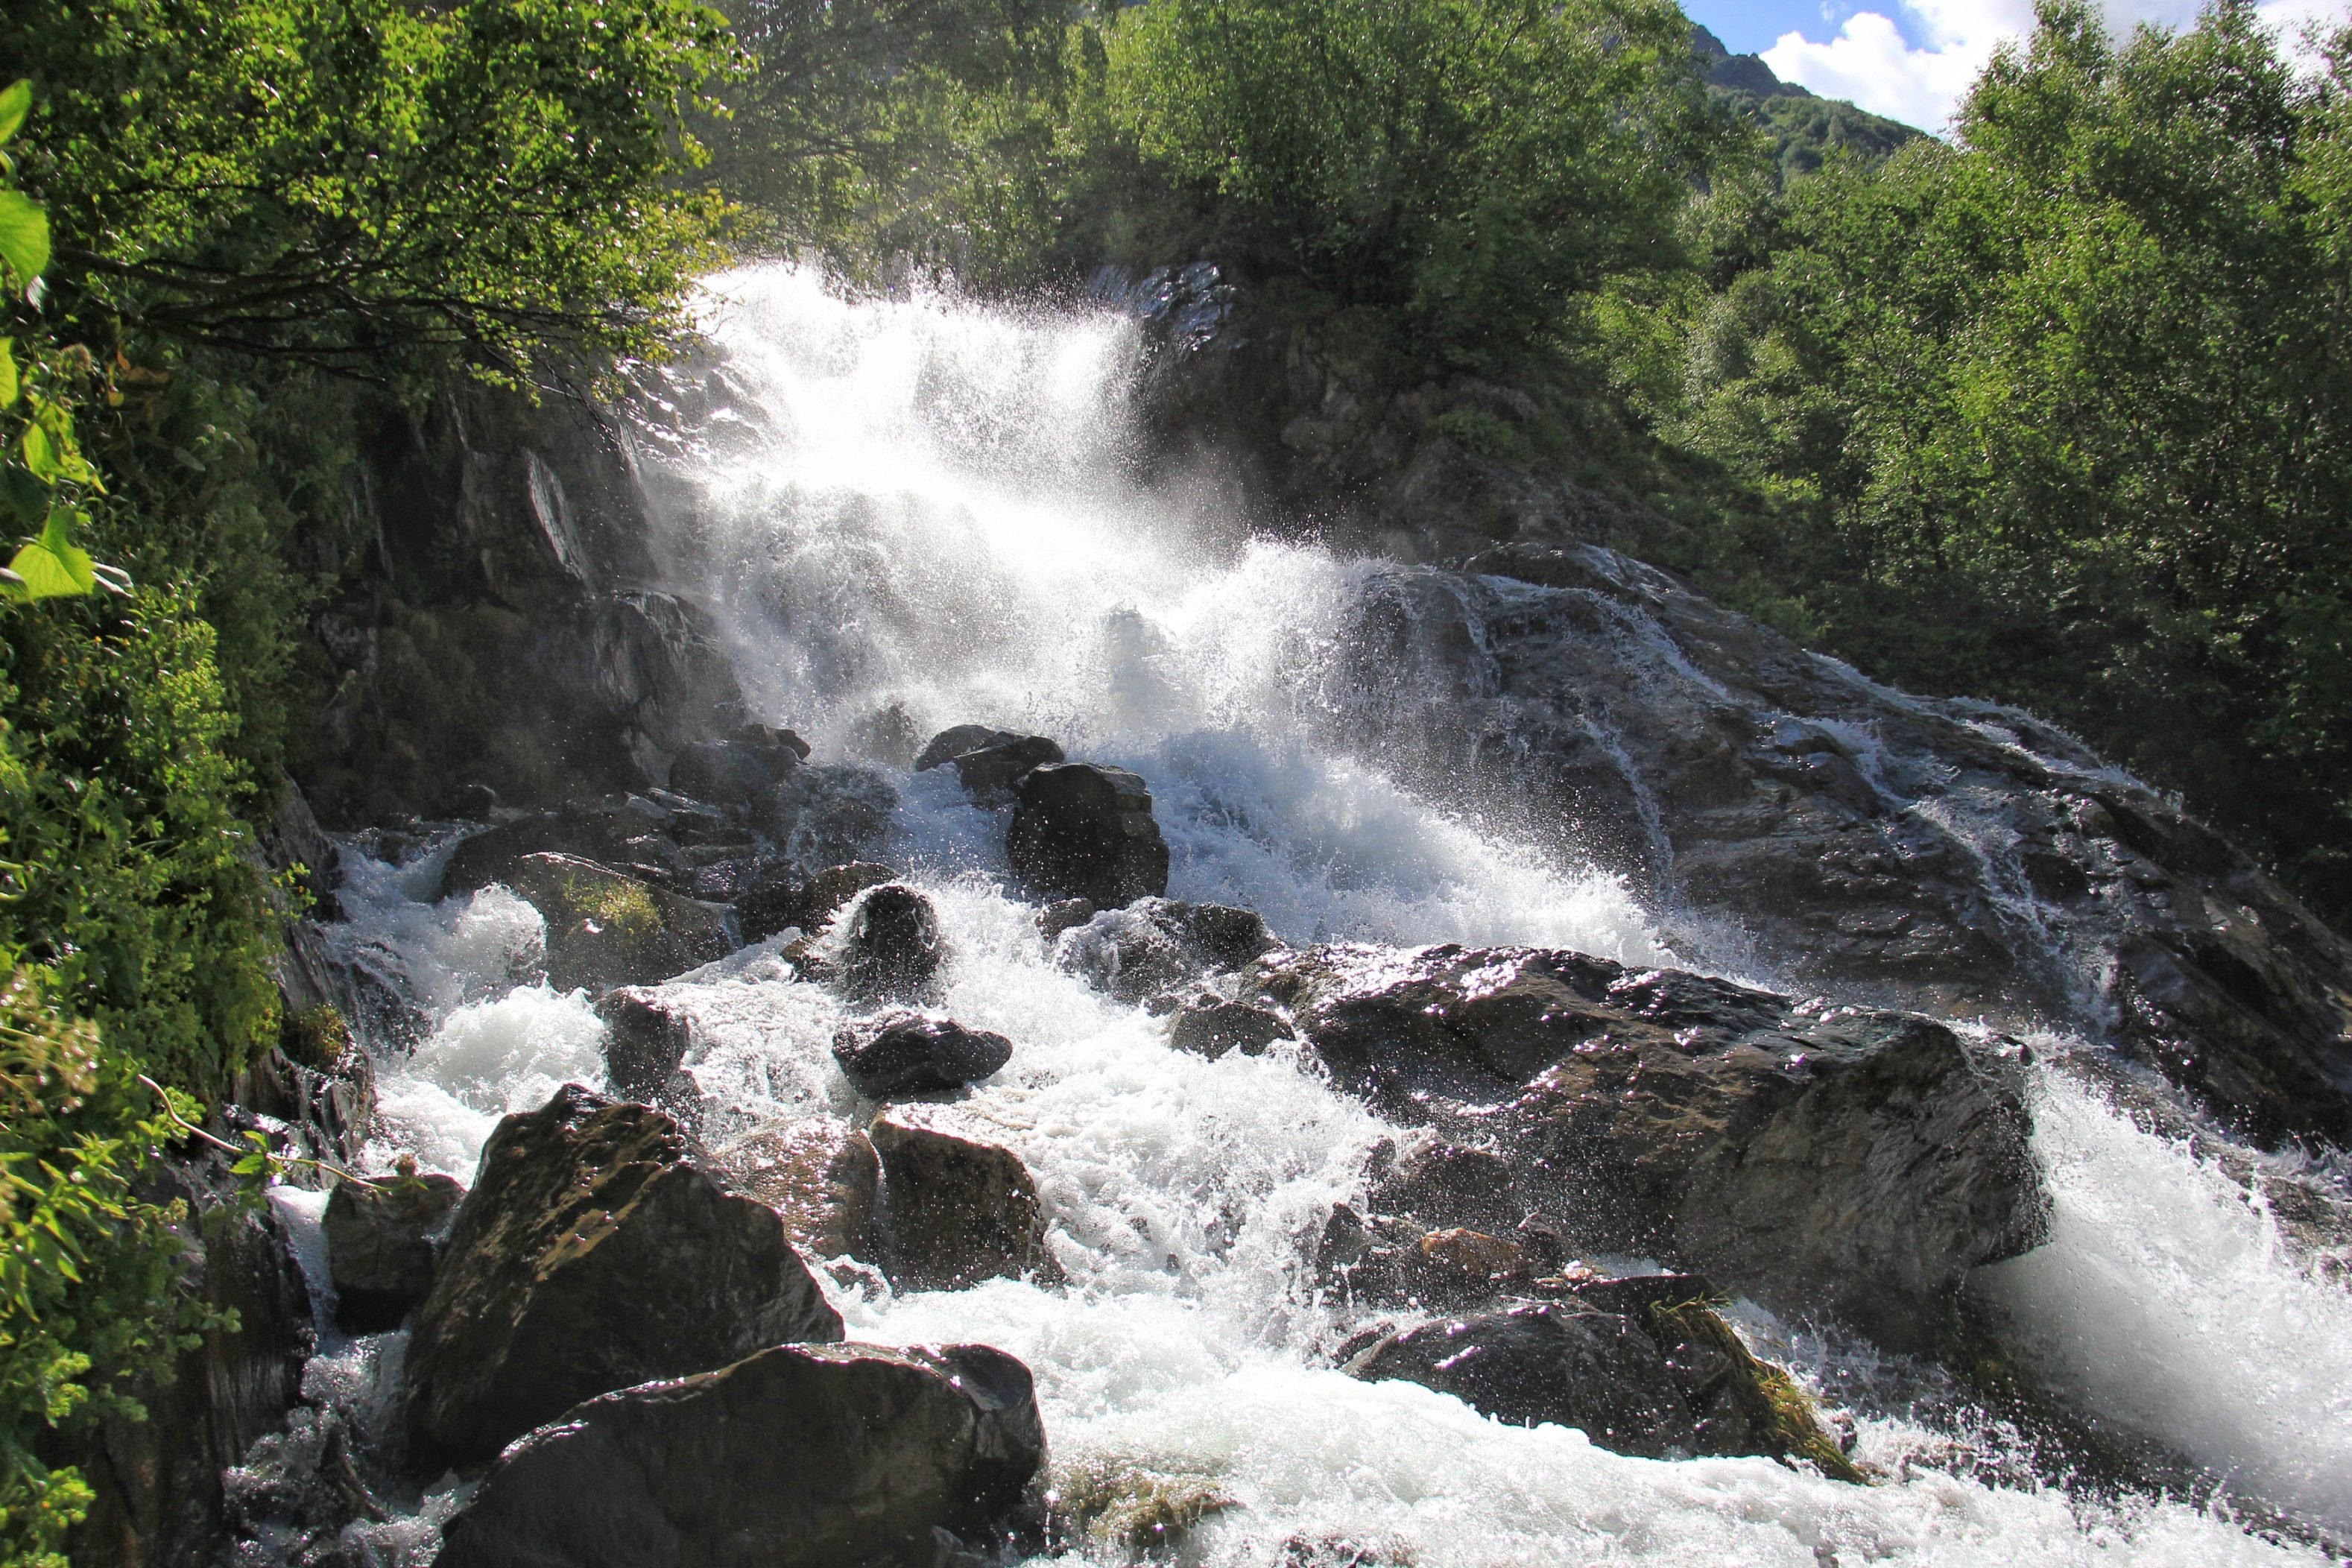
(7, 374)
(24, 235)
(15, 104)
(53, 566)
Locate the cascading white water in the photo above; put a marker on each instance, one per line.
(919, 504)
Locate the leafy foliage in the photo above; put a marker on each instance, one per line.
(1474, 164)
(362, 184)
(89, 1294)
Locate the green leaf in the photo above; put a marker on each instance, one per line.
(24, 235)
(52, 567)
(41, 455)
(7, 374)
(15, 104)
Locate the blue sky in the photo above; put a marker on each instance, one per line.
(1913, 59)
(1750, 28)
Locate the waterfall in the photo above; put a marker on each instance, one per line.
(918, 513)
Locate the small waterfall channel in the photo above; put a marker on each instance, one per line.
(914, 513)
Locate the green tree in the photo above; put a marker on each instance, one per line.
(1473, 165)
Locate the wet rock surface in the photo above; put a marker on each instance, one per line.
(822, 1177)
(827, 814)
(957, 1208)
(1643, 1365)
(606, 928)
(890, 948)
(1080, 830)
(901, 1052)
(1212, 1028)
(384, 1243)
(1858, 1163)
(739, 770)
(1156, 945)
(812, 1457)
(989, 762)
(592, 1255)
(1943, 855)
(646, 1040)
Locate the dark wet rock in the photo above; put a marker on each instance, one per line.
(891, 948)
(1442, 1183)
(912, 1053)
(384, 1242)
(1642, 1366)
(956, 739)
(591, 1255)
(735, 771)
(646, 1042)
(1062, 914)
(820, 1175)
(778, 900)
(1853, 1162)
(1083, 831)
(1156, 944)
(606, 928)
(828, 814)
(1544, 1363)
(957, 1208)
(1212, 1028)
(319, 1084)
(816, 1456)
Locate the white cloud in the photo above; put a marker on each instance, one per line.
(1870, 61)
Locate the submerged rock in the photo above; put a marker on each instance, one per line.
(1083, 831)
(909, 1053)
(1855, 1163)
(890, 946)
(801, 1457)
(820, 1175)
(606, 928)
(1155, 945)
(957, 1208)
(1642, 1366)
(591, 1255)
(384, 1242)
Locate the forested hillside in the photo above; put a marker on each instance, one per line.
(2054, 412)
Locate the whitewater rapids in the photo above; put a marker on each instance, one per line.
(916, 512)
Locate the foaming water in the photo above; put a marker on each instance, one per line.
(910, 514)
(2169, 1300)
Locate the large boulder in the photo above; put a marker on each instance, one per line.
(384, 1242)
(606, 928)
(1155, 945)
(1080, 830)
(902, 1052)
(1853, 1162)
(891, 948)
(1211, 1028)
(799, 1457)
(956, 1208)
(820, 1175)
(1641, 1365)
(592, 1254)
